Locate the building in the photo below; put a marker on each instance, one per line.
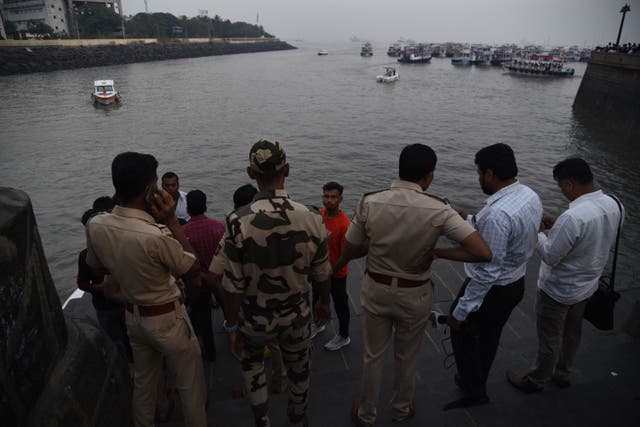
(58, 14)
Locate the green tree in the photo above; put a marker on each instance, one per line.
(11, 29)
(98, 20)
(40, 29)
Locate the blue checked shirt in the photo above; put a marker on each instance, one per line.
(509, 223)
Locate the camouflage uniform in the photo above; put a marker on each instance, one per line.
(275, 247)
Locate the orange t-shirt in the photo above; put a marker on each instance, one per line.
(336, 231)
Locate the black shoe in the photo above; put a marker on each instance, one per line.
(561, 382)
(466, 402)
(522, 382)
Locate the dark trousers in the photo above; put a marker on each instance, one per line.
(200, 315)
(476, 343)
(340, 303)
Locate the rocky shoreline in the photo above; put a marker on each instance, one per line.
(22, 60)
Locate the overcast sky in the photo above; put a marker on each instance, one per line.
(547, 22)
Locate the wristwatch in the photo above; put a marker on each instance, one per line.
(229, 329)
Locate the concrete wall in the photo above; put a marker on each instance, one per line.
(54, 371)
(15, 60)
(610, 92)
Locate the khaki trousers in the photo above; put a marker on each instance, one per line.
(401, 314)
(169, 335)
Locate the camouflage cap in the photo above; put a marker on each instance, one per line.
(267, 156)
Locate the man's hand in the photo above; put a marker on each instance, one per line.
(322, 312)
(422, 265)
(164, 208)
(547, 222)
(236, 345)
(454, 323)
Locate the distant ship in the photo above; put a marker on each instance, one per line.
(354, 39)
(366, 50)
(415, 54)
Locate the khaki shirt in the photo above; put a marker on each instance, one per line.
(402, 224)
(274, 247)
(142, 256)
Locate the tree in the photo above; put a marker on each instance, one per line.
(40, 29)
(97, 20)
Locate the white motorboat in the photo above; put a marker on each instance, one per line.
(104, 92)
(390, 75)
(323, 52)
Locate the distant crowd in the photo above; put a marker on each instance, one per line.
(629, 48)
(156, 265)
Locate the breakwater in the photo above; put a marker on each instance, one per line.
(610, 92)
(18, 58)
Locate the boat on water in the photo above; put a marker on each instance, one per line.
(415, 54)
(394, 50)
(104, 92)
(465, 58)
(390, 75)
(366, 50)
(323, 52)
(539, 66)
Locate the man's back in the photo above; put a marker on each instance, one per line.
(140, 255)
(204, 234)
(401, 225)
(578, 246)
(275, 248)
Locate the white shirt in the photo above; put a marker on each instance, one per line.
(509, 223)
(578, 246)
(181, 207)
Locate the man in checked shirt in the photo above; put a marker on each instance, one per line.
(509, 223)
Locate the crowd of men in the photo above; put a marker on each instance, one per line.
(154, 260)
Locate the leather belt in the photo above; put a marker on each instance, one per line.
(402, 283)
(153, 310)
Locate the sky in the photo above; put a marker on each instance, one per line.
(546, 22)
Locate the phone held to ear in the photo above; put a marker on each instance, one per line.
(151, 194)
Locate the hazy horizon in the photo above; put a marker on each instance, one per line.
(545, 22)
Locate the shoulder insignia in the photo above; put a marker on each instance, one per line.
(373, 192)
(440, 199)
(313, 208)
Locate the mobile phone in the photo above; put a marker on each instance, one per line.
(153, 190)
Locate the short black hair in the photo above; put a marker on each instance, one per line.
(575, 169)
(244, 195)
(332, 185)
(416, 160)
(196, 202)
(104, 203)
(89, 213)
(131, 172)
(500, 159)
(169, 175)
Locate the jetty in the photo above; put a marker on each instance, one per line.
(60, 369)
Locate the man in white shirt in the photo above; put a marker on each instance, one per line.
(509, 224)
(573, 258)
(171, 184)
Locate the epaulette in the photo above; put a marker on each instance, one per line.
(373, 192)
(164, 229)
(440, 199)
(313, 208)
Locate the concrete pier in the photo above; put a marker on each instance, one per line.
(610, 92)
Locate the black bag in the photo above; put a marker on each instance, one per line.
(601, 305)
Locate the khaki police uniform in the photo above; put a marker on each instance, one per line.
(401, 225)
(143, 259)
(274, 248)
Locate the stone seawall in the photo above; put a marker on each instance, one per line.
(610, 92)
(17, 60)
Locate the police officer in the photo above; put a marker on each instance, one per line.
(274, 248)
(401, 226)
(143, 257)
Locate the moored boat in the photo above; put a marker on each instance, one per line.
(366, 50)
(104, 92)
(463, 59)
(394, 50)
(390, 75)
(415, 54)
(539, 66)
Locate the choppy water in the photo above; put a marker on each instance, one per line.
(200, 116)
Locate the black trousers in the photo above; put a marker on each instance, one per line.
(340, 303)
(200, 315)
(476, 343)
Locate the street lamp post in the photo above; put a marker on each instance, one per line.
(624, 11)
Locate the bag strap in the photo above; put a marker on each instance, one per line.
(612, 278)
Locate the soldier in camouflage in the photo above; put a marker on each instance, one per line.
(274, 248)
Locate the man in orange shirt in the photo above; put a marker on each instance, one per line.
(337, 224)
